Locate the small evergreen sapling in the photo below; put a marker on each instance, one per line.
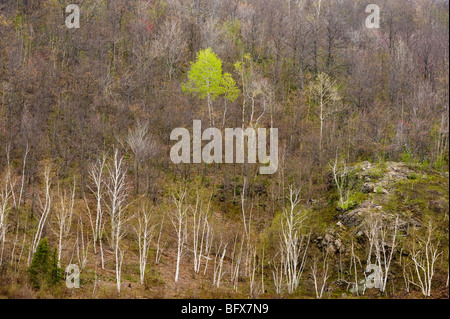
(44, 266)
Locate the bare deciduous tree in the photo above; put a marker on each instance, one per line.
(117, 195)
(340, 179)
(5, 197)
(45, 208)
(382, 244)
(425, 253)
(159, 247)
(170, 44)
(63, 214)
(320, 275)
(142, 146)
(144, 232)
(200, 232)
(96, 173)
(293, 243)
(325, 93)
(218, 263)
(179, 221)
(82, 244)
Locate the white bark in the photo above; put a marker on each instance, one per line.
(117, 195)
(277, 272)
(200, 232)
(320, 276)
(235, 270)
(45, 212)
(178, 218)
(6, 196)
(353, 264)
(82, 245)
(5, 207)
(424, 256)
(63, 215)
(22, 182)
(144, 232)
(377, 233)
(96, 175)
(218, 265)
(159, 249)
(253, 266)
(339, 176)
(293, 244)
(208, 245)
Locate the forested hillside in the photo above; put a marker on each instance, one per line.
(357, 207)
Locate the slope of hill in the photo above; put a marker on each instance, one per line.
(339, 238)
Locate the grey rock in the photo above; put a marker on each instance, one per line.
(367, 188)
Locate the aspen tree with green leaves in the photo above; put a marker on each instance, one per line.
(206, 80)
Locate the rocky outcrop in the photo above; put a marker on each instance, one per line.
(379, 182)
(355, 217)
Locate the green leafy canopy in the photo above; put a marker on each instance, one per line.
(205, 78)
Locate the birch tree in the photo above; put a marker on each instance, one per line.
(22, 180)
(141, 145)
(340, 172)
(9, 180)
(257, 93)
(425, 252)
(293, 243)
(63, 214)
(218, 263)
(236, 261)
(179, 222)
(96, 174)
(144, 232)
(277, 271)
(382, 244)
(200, 231)
(117, 195)
(7, 201)
(82, 244)
(252, 276)
(159, 247)
(354, 262)
(45, 208)
(5, 208)
(247, 222)
(320, 274)
(325, 92)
